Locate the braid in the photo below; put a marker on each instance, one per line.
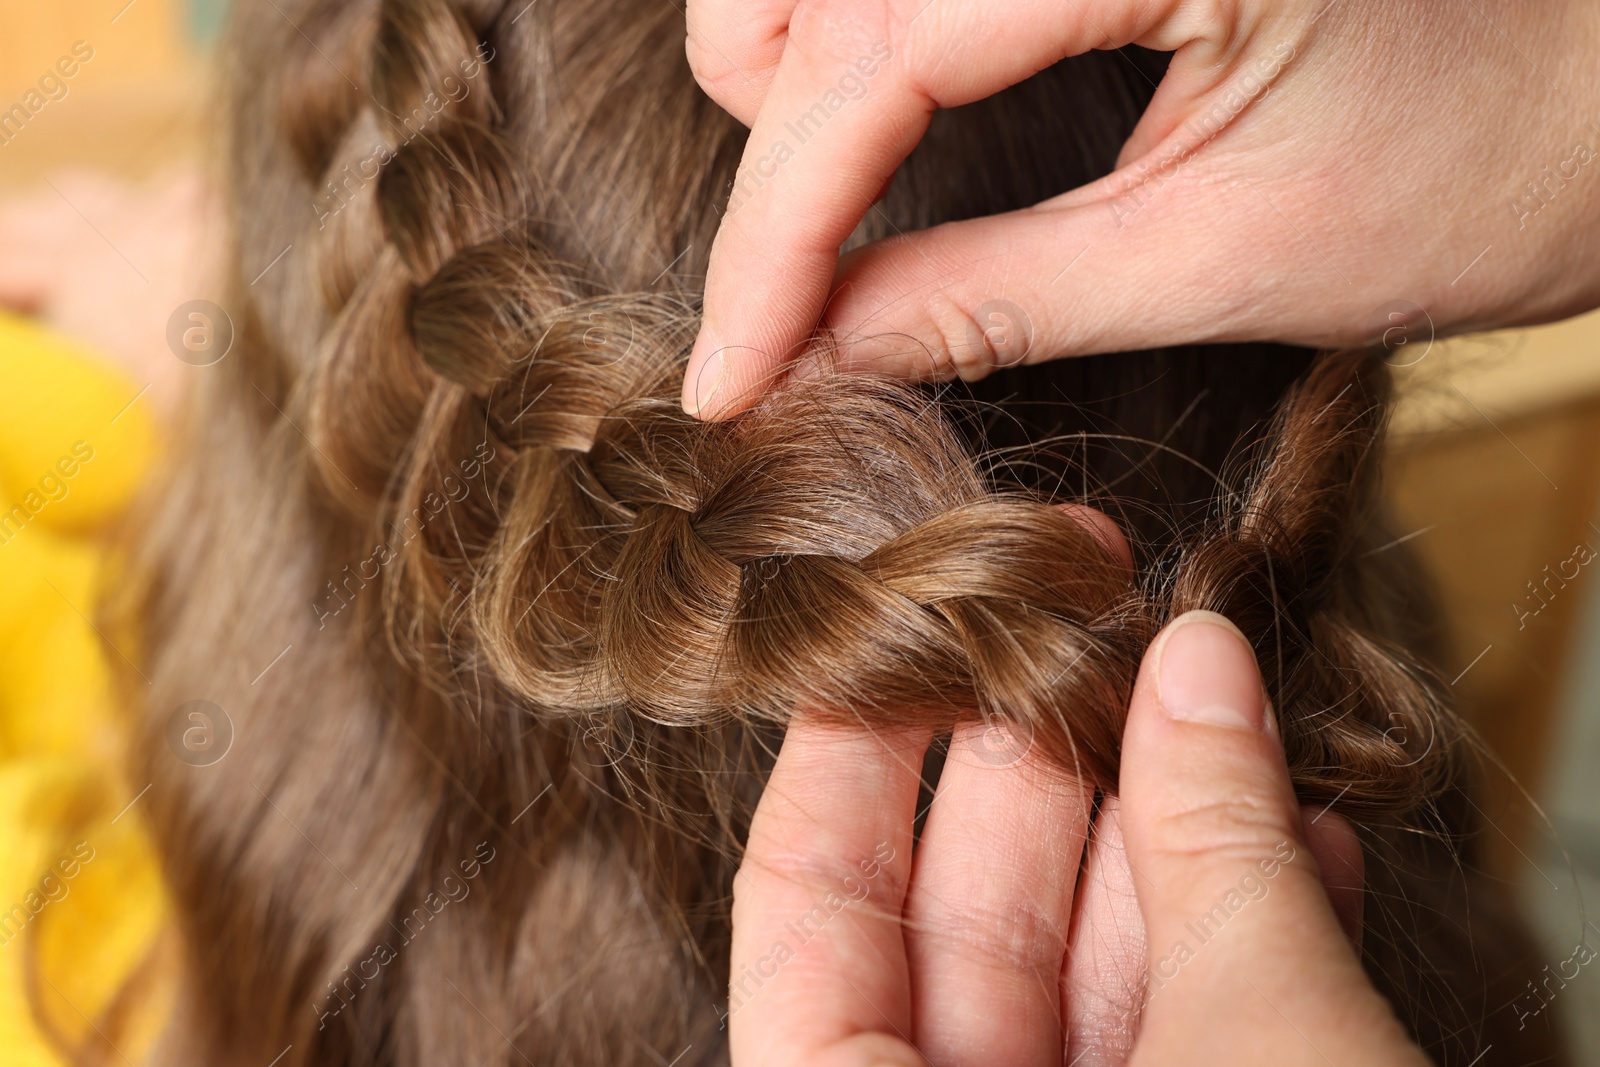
(589, 597)
(638, 563)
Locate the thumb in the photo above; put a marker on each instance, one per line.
(1247, 960)
(1098, 269)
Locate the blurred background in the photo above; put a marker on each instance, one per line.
(108, 224)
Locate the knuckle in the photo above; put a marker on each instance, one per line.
(819, 873)
(1015, 935)
(733, 49)
(714, 74)
(1236, 829)
(834, 32)
(699, 56)
(962, 351)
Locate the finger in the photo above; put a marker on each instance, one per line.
(990, 903)
(852, 94)
(1103, 989)
(1337, 850)
(1106, 270)
(734, 47)
(1239, 926)
(992, 889)
(1104, 530)
(1103, 985)
(1102, 982)
(818, 967)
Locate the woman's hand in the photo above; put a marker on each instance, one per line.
(1247, 962)
(1201, 930)
(1311, 171)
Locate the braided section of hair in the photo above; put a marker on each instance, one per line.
(838, 552)
(592, 615)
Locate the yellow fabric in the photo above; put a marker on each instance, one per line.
(81, 903)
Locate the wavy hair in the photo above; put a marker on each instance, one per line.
(539, 632)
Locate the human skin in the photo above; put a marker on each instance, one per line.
(985, 945)
(1304, 167)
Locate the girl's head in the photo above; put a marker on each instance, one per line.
(546, 627)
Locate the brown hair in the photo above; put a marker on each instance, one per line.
(539, 631)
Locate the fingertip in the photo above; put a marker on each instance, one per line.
(1104, 529)
(703, 380)
(1199, 759)
(1205, 671)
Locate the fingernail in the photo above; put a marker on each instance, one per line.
(1206, 672)
(705, 372)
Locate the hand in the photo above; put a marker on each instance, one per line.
(1213, 830)
(986, 946)
(1304, 166)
